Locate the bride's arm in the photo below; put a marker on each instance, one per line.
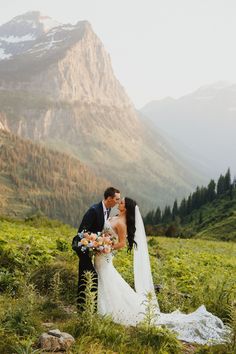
(121, 232)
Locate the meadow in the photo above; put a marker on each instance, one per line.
(38, 279)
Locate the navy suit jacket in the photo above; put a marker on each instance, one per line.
(93, 219)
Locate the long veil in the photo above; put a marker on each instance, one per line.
(199, 326)
(143, 281)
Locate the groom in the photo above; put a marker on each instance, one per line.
(93, 221)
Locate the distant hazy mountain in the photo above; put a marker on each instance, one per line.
(61, 91)
(203, 121)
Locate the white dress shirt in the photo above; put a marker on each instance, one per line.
(105, 212)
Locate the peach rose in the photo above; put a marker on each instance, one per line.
(95, 244)
(106, 239)
(93, 237)
(84, 242)
(87, 236)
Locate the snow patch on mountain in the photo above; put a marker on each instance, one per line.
(40, 48)
(3, 55)
(15, 39)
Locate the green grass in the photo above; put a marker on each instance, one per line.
(38, 267)
(221, 230)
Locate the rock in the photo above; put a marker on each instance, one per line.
(55, 341)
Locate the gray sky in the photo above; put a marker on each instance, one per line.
(158, 47)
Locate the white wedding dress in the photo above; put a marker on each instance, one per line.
(126, 306)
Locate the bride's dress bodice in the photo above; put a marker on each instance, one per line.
(102, 259)
(118, 299)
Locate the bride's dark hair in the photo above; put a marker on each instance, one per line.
(130, 205)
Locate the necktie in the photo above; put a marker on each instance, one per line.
(107, 213)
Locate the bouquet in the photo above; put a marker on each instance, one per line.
(95, 243)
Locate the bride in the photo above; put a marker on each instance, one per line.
(126, 306)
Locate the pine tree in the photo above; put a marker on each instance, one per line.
(149, 219)
(183, 208)
(166, 216)
(175, 210)
(197, 198)
(231, 191)
(211, 191)
(157, 216)
(227, 180)
(189, 204)
(221, 185)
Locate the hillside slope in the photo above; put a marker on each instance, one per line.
(216, 220)
(35, 179)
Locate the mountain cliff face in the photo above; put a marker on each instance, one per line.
(66, 63)
(62, 91)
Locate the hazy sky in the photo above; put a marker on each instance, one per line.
(158, 47)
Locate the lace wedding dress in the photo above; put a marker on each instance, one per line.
(126, 306)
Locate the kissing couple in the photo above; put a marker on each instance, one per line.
(115, 297)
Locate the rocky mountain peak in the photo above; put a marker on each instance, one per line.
(33, 22)
(69, 63)
(19, 34)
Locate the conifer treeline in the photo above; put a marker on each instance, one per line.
(50, 182)
(201, 196)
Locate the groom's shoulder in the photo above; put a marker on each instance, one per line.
(96, 206)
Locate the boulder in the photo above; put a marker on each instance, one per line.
(55, 341)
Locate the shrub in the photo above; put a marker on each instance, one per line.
(22, 315)
(44, 277)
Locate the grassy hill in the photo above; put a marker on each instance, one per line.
(38, 276)
(216, 220)
(209, 213)
(34, 179)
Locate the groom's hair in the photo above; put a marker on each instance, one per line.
(110, 192)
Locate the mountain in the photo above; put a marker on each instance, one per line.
(61, 91)
(35, 179)
(17, 35)
(204, 122)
